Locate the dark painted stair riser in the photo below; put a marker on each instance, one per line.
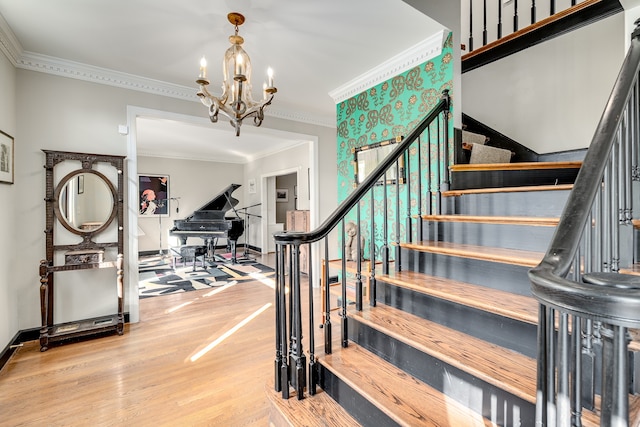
(490, 327)
(509, 236)
(495, 275)
(492, 402)
(520, 203)
(364, 411)
(464, 180)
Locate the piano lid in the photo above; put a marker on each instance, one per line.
(221, 203)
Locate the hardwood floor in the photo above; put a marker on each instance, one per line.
(149, 375)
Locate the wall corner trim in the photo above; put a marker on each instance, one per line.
(415, 55)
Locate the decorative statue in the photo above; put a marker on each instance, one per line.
(351, 244)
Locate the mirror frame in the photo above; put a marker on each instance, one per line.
(56, 202)
(376, 146)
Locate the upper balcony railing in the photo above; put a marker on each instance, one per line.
(493, 29)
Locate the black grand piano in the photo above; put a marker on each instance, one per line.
(209, 222)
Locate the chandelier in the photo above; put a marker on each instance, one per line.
(236, 101)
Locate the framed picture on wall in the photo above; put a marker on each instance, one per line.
(153, 195)
(252, 186)
(282, 195)
(6, 158)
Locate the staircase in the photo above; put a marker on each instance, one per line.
(451, 340)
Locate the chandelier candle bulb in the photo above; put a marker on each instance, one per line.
(239, 67)
(203, 68)
(270, 74)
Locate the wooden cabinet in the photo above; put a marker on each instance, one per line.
(299, 221)
(84, 204)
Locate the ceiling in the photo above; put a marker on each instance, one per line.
(313, 47)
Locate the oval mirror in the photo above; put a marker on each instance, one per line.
(85, 201)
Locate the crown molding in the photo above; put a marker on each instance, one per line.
(415, 55)
(10, 46)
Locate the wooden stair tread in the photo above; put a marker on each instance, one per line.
(501, 367)
(559, 187)
(512, 220)
(405, 399)
(506, 256)
(503, 303)
(465, 167)
(319, 410)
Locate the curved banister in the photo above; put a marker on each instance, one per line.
(548, 283)
(369, 182)
(578, 282)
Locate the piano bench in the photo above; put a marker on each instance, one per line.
(188, 253)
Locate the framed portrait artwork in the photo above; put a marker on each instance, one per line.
(153, 195)
(282, 195)
(6, 158)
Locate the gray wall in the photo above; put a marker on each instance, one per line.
(195, 183)
(9, 297)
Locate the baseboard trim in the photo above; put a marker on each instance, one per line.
(24, 336)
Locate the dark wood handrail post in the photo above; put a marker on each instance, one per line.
(470, 25)
(445, 156)
(499, 19)
(484, 23)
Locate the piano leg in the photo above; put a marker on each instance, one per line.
(233, 251)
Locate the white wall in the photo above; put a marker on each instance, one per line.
(9, 297)
(550, 97)
(195, 183)
(295, 160)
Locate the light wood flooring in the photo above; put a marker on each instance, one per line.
(147, 377)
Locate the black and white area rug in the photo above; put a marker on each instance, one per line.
(157, 276)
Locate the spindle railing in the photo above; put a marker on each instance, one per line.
(426, 150)
(486, 16)
(586, 304)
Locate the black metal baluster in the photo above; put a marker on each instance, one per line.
(298, 358)
(552, 7)
(470, 25)
(533, 11)
(327, 300)
(576, 372)
(543, 367)
(313, 373)
(398, 265)
(279, 320)
(372, 252)
(445, 158)
(419, 189)
(551, 363)
(436, 171)
(615, 376)
(429, 182)
(484, 22)
(515, 15)
(358, 261)
(384, 250)
(408, 226)
(564, 346)
(499, 19)
(284, 363)
(343, 303)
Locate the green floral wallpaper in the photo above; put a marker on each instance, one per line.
(390, 109)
